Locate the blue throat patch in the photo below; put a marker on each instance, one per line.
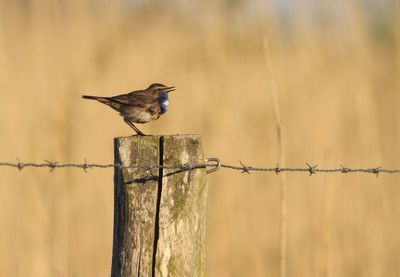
(164, 102)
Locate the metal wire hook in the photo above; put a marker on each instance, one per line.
(217, 164)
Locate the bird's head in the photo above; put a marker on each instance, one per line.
(163, 91)
(159, 88)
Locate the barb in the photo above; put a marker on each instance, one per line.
(210, 164)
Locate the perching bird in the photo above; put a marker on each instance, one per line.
(140, 106)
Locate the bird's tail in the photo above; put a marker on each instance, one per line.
(104, 100)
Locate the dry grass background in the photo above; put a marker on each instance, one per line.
(338, 90)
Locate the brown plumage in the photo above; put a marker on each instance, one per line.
(140, 106)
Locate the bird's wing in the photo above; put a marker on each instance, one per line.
(135, 98)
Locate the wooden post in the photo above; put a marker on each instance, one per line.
(159, 223)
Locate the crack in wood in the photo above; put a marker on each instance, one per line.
(159, 193)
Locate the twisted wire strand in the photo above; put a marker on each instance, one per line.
(211, 164)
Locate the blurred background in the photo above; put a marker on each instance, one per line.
(334, 67)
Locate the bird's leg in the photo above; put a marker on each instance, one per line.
(140, 133)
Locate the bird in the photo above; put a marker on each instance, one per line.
(139, 106)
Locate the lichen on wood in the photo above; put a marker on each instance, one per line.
(159, 224)
(181, 243)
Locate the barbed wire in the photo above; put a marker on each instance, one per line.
(210, 164)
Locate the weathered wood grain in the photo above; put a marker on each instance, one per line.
(159, 223)
(134, 206)
(182, 220)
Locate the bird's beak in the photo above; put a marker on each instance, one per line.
(168, 89)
